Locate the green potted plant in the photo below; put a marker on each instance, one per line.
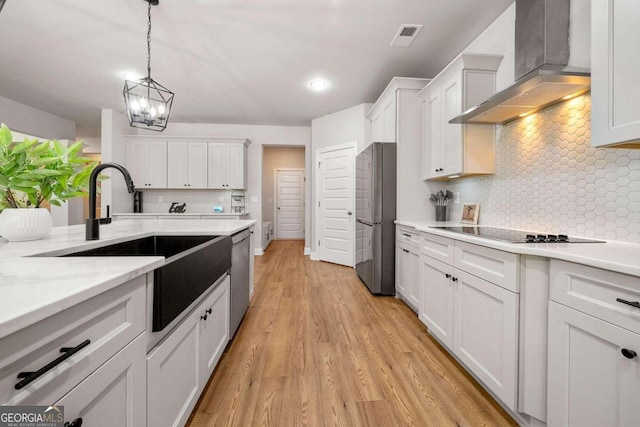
(32, 173)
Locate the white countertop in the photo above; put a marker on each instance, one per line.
(33, 289)
(612, 255)
(34, 283)
(182, 214)
(66, 240)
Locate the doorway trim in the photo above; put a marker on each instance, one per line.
(275, 198)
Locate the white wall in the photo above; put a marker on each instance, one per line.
(91, 144)
(114, 190)
(348, 125)
(115, 126)
(499, 39)
(29, 120)
(344, 126)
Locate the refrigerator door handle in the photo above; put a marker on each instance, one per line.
(370, 224)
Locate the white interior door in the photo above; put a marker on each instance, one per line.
(290, 204)
(335, 193)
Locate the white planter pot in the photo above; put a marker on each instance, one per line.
(19, 225)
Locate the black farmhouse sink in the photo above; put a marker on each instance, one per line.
(193, 264)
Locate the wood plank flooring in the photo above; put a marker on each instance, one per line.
(317, 349)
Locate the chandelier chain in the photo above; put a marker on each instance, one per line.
(149, 43)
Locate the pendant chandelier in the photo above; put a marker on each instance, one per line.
(148, 103)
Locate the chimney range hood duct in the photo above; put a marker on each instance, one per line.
(541, 58)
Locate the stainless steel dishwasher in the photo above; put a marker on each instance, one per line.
(239, 279)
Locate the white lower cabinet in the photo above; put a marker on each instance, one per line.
(485, 333)
(408, 277)
(436, 310)
(594, 377)
(173, 384)
(474, 319)
(213, 333)
(115, 394)
(179, 368)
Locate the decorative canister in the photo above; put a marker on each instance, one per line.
(441, 213)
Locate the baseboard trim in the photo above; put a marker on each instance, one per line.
(258, 252)
(313, 256)
(307, 251)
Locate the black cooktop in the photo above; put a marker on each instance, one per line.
(516, 236)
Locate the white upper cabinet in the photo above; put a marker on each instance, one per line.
(147, 163)
(236, 166)
(228, 165)
(615, 67)
(182, 164)
(383, 116)
(187, 164)
(453, 150)
(217, 165)
(383, 123)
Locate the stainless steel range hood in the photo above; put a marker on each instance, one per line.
(541, 57)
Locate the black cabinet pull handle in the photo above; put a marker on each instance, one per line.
(208, 311)
(629, 354)
(204, 317)
(31, 376)
(407, 235)
(455, 279)
(75, 423)
(448, 276)
(635, 304)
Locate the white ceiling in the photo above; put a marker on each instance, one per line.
(228, 61)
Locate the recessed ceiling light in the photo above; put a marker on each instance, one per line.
(318, 85)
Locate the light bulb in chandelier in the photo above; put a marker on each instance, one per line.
(135, 108)
(144, 106)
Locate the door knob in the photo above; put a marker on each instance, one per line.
(349, 213)
(629, 354)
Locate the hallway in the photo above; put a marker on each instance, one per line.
(316, 348)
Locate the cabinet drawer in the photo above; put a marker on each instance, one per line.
(595, 292)
(440, 248)
(495, 266)
(408, 236)
(109, 321)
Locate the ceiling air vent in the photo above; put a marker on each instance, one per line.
(406, 35)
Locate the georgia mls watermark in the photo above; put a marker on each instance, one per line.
(31, 416)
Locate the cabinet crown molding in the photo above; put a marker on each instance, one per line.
(397, 83)
(465, 61)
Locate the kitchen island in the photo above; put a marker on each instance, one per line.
(88, 321)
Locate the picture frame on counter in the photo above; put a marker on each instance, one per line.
(470, 212)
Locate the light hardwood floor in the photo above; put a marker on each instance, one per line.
(316, 348)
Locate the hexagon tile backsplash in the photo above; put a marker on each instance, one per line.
(549, 178)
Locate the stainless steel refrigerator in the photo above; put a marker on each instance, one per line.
(375, 216)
